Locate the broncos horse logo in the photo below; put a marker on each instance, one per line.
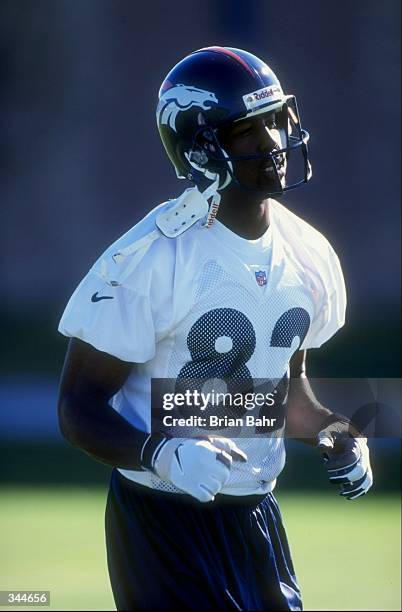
(180, 98)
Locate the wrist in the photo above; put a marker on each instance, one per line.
(163, 458)
(150, 451)
(340, 424)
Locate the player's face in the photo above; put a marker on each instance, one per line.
(255, 136)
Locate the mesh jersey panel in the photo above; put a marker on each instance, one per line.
(236, 329)
(226, 307)
(212, 274)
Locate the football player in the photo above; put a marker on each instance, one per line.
(223, 283)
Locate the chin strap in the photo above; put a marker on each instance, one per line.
(213, 210)
(212, 192)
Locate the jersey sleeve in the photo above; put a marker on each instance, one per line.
(330, 309)
(124, 318)
(115, 320)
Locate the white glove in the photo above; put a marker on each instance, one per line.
(347, 461)
(199, 467)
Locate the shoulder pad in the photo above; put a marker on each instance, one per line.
(187, 209)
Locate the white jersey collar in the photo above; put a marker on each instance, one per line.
(238, 243)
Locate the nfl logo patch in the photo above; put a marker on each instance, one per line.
(261, 278)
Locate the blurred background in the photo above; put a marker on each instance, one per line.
(81, 162)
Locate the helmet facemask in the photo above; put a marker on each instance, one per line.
(208, 157)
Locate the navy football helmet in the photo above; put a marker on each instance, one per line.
(211, 88)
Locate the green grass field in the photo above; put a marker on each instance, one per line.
(347, 554)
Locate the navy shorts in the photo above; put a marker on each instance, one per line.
(168, 551)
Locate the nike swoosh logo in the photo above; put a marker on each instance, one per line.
(95, 297)
(178, 457)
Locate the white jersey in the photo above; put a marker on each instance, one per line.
(210, 299)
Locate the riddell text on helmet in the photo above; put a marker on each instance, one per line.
(256, 98)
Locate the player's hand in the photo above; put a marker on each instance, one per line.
(347, 461)
(199, 467)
